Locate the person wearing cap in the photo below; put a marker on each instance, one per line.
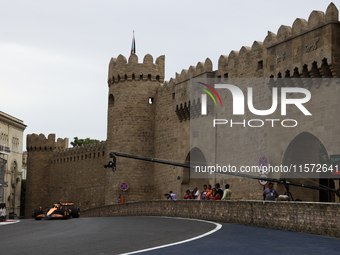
(270, 193)
(226, 193)
(219, 190)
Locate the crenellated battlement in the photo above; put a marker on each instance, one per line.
(285, 33)
(79, 153)
(193, 71)
(301, 26)
(80, 150)
(41, 143)
(236, 64)
(121, 70)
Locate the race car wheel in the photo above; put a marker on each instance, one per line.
(37, 211)
(65, 212)
(75, 212)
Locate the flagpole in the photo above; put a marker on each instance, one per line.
(133, 46)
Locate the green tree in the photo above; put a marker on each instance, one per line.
(79, 142)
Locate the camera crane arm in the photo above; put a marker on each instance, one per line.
(284, 182)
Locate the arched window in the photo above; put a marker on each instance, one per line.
(111, 100)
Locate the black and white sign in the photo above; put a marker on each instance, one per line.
(263, 182)
(2, 212)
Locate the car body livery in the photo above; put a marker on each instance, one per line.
(57, 211)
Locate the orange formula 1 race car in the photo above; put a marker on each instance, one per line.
(58, 211)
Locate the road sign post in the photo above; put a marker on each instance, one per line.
(263, 162)
(264, 181)
(124, 186)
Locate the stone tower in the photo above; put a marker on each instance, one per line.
(131, 122)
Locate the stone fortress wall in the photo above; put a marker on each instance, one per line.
(308, 49)
(150, 117)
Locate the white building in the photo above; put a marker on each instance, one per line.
(11, 143)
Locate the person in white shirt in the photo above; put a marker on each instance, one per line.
(172, 196)
(197, 194)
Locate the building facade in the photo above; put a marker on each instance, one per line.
(11, 143)
(150, 117)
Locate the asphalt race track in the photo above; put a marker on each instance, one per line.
(117, 235)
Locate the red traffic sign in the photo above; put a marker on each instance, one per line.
(263, 160)
(263, 182)
(124, 186)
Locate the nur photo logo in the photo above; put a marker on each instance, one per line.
(238, 105)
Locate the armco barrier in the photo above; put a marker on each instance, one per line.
(307, 217)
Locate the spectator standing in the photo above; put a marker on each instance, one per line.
(120, 199)
(209, 192)
(204, 193)
(215, 195)
(226, 193)
(270, 193)
(197, 194)
(187, 195)
(219, 190)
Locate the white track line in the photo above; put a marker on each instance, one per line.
(218, 227)
(8, 222)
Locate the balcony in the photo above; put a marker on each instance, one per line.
(5, 150)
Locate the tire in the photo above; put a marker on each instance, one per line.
(37, 211)
(75, 212)
(65, 212)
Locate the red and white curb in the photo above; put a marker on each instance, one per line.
(2, 223)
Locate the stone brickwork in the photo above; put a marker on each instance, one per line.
(150, 117)
(40, 151)
(78, 175)
(312, 218)
(131, 122)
